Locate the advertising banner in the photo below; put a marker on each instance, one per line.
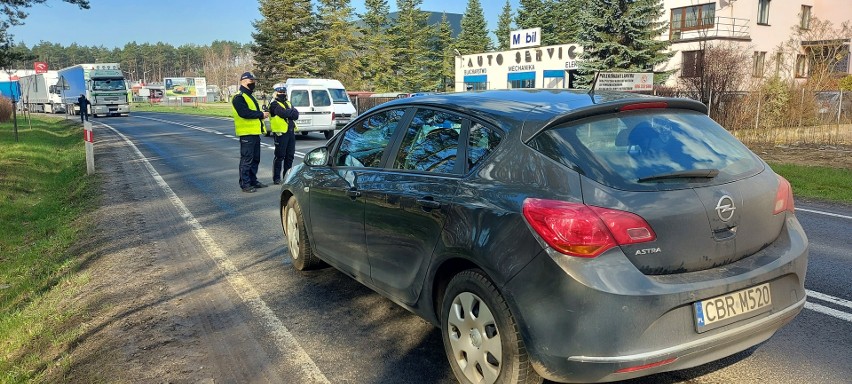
(624, 81)
(185, 86)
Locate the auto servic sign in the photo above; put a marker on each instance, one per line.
(624, 81)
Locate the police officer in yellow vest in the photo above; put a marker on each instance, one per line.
(282, 123)
(248, 124)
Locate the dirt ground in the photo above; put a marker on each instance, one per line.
(141, 321)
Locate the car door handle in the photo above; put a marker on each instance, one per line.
(353, 193)
(429, 203)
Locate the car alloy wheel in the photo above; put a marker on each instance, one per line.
(297, 238)
(292, 231)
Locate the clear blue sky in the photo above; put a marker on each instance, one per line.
(112, 23)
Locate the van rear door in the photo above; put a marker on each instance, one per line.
(315, 108)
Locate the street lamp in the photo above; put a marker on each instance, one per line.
(145, 76)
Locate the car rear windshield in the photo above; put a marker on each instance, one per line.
(649, 150)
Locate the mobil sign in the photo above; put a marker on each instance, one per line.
(523, 38)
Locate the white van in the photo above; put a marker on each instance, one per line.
(344, 111)
(316, 110)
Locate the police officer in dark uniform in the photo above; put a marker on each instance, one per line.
(84, 107)
(282, 124)
(248, 125)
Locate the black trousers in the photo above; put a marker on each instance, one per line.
(249, 160)
(84, 114)
(285, 151)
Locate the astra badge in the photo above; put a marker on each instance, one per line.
(725, 208)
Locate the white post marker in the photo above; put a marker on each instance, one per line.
(89, 137)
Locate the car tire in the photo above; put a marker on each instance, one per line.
(481, 337)
(304, 133)
(296, 234)
(328, 134)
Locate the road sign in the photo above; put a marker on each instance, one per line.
(624, 81)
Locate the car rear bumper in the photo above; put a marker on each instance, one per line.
(600, 320)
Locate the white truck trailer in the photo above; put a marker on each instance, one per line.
(39, 93)
(102, 83)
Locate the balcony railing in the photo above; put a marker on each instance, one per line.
(730, 28)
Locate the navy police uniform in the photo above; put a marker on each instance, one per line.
(282, 124)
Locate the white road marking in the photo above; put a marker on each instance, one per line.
(824, 213)
(829, 311)
(286, 343)
(202, 129)
(830, 299)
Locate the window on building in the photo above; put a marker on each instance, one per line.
(806, 17)
(759, 60)
(691, 18)
(692, 64)
(779, 61)
(763, 12)
(801, 66)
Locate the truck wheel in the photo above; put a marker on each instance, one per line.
(481, 337)
(304, 133)
(328, 134)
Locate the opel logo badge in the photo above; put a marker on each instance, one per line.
(725, 208)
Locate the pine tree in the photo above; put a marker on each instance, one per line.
(559, 30)
(283, 42)
(339, 44)
(618, 35)
(441, 45)
(532, 14)
(473, 37)
(410, 45)
(377, 59)
(504, 27)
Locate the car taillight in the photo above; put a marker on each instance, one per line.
(633, 107)
(784, 197)
(332, 117)
(584, 231)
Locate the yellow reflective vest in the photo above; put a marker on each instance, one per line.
(243, 126)
(278, 124)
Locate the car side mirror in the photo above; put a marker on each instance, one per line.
(318, 156)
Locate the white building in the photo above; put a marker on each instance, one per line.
(760, 27)
(538, 67)
(757, 26)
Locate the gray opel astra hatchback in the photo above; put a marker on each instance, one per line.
(553, 234)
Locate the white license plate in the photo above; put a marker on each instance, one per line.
(725, 309)
(303, 121)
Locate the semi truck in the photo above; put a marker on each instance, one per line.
(39, 93)
(102, 83)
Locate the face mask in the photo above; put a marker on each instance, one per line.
(250, 86)
(281, 96)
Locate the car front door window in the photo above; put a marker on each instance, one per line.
(364, 144)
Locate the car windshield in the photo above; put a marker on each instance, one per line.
(649, 150)
(108, 85)
(338, 95)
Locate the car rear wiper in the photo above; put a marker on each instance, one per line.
(690, 174)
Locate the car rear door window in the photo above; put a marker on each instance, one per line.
(480, 143)
(431, 143)
(364, 143)
(649, 150)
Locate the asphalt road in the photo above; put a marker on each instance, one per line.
(340, 331)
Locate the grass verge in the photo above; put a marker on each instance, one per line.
(205, 109)
(44, 192)
(814, 182)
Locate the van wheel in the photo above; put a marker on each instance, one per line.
(328, 134)
(481, 337)
(297, 237)
(304, 133)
